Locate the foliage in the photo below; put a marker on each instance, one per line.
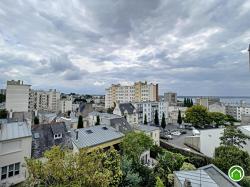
(233, 137)
(97, 120)
(187, 166)
(36, 120)
(63, 168)
(179, 120)
(155, 151)
(147, 175)
(80, 122)
(156, 118)
(2, 98)
(188, 102)
(218, 118)
(159, 182)
(145, 119)
(163, 121)
(245, 182)
(171, 179)
(134, 144)
(227, 156)
(110, 110)
(3, 114)
(198, 116)
(231, 119)
(130, 177)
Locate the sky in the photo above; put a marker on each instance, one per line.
(192, 47)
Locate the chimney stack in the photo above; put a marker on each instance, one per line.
(77, 134)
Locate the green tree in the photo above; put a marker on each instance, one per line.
(191, 103)
(234, 137)
(145, 119)
(2, 98)
(156, 119)
(36, 120)
(163, 121)
(227, 156)
(230, 119)
(64, 168)
(179, 119)
(245, 182)
(80, 122)
(159, 182)
(134, 144)
(97, 120)
(110, 110)
(187, 166)
(185, 102)
(130, 177)
(3, 114)
(218, 118)
(198, 116)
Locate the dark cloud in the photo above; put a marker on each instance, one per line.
(194, 48)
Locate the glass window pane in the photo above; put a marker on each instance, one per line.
(4, 173)
(11, 170)
(17, 168)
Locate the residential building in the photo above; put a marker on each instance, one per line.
(45, 136)
(173, 112)
(206, 101)
(46, 117)
(17, 96)
(100, 136)
(71, 122)
(15, 145)
(66, 104)
(140, 91)
(206, 176)
(237, 110)
(152, 131)
(171, 98)
(128, 111)
(217, 107)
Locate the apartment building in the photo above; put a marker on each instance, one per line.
(238, 110)
(171, 98)
(206, 101)
(15, 145)
(66, 104)
(140, 91)
(17, 96)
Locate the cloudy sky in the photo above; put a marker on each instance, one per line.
(191, 47)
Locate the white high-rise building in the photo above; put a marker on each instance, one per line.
(17, 96)
(66, 104)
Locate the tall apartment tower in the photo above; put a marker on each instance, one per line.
(17, 96)
(140, 91)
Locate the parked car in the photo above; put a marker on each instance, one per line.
(169, 137)
(176, 133)
(183, 132)
(195, 132)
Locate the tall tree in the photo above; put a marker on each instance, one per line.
(97, 120)
(2, 98)
(233, 137)
(192, 102)
(36, 120)
(179, 119)
(145, 119)
(163, 121)
(217, 118)
(156, 119)
(80, 122)
(110, 110)
(3, 114)
(185, 102)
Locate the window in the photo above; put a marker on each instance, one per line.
(17, 168)
(11, 170)
(4, 173)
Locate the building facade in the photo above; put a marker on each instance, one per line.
(238, 110)
(17, 96)
(171, 98)
(140, 91)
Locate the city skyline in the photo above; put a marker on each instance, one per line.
(85, 46)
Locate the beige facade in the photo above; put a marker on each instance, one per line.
(140, 91)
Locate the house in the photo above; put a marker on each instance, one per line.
(206, 176)
(128, 111)
(173, 112)
(46, 117)
(45, 136)
(94, 137)
(217, 107)
(15, 145)
(152, 131)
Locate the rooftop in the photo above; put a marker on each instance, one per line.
(14, 130)
(126, 107)
(96, 135)
(104, 115)
(147, 128)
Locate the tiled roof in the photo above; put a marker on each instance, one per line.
(126, 106)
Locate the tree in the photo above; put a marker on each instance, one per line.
(230, 119)
(80, 122)
(134, 144)
(130, 177)
(233, 137)
(97, 120)
(227, 156)
(145, 119)
(191, 103)
(245, 182)
(2, 98)
(163, 121)
(179, 120)
(3, 114)
(110, 111)
(185, 102)
(156, 119)
(159, 182)
(187, 166)
(36, 120)
(197, 115)
(218, 118)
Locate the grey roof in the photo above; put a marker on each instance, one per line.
(147, 128)
(92, 136)
(104, 115)
(121, 124)
(126, 106)
(43, 138)
(14, 130)
(218, 176)
(207, 176)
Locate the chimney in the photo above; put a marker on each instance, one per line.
(77, 134)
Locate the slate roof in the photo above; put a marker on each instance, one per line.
(43, 138)
(126, 106)
(14, 130)
(95, 135)
(147, 128)
(121, 124)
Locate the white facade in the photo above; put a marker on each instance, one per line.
(66, 105)
(173, 112)
(13, 150)
(217, 107)
(153, 132)
(17, 96)
(237, 111)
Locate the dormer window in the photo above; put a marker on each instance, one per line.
(57, 136)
